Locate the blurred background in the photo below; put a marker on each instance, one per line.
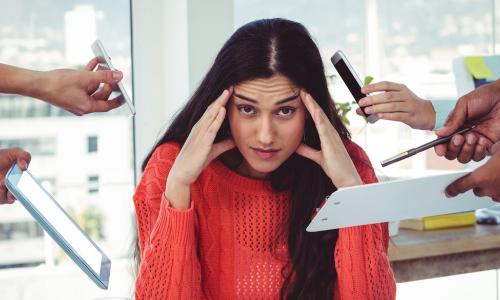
(90, 164)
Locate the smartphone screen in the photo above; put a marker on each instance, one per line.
(350, 79)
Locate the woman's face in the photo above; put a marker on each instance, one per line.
(267, 120)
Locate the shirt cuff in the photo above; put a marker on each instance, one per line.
(442, 109)
(180, 224)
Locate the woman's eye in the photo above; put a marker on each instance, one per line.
(247, 110)
(286, 111)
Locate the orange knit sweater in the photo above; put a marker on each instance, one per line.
(224, 246)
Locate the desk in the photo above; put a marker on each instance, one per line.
(416, 255)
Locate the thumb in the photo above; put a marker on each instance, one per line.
(20, 156)
(455, 120)
(106, 76)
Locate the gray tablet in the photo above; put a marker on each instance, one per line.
(54, 219)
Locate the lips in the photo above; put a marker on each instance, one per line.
(265, 153)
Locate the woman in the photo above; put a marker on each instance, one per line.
(228, 191)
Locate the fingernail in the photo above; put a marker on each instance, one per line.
(456, 142)
(24, 164)
(470, 139)
(368, 110)
(362, 102)
(117, 75)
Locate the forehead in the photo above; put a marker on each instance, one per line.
(272, 88)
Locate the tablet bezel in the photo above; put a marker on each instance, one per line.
(11, 180)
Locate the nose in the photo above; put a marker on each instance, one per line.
(265, 135)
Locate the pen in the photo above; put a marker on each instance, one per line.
(414, 151)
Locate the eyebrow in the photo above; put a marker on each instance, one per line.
(287, 99)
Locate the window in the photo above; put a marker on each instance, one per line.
(44, 35)
(36, 146)
(92, 144)
(93, 184)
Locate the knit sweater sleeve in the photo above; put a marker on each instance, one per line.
(169, 267)
(361, 253)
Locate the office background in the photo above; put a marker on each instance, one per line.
(91, 163)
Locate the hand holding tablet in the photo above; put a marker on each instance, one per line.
(54, 219)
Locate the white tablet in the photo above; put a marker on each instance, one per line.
(393, 201)
(54, 219)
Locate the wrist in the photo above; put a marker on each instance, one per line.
(37, 85)
(430, 114)
(354, 181)
(178, 194)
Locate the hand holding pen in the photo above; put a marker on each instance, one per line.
(424, 147)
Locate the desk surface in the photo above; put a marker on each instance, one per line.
(412, 244)
(426, 254)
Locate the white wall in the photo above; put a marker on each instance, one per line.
(174, 44)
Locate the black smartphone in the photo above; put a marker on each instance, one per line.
(351, 80)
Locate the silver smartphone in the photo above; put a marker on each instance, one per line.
(104, 61)
(351, 80)
(59, 225)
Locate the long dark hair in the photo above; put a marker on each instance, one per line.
(261, 49)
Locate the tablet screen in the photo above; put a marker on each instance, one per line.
(62, 224)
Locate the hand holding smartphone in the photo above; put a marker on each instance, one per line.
(351, 79)
(105, 63)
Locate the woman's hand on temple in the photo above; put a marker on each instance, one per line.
(332, 156)
(197, 152)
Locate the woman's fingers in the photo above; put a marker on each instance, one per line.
(214, 108)
(315, 110)
(216, 124)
